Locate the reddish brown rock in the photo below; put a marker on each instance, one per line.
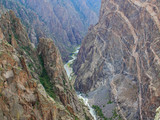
(22, 96)
(1, 35)
(14, 42)
(57, 74)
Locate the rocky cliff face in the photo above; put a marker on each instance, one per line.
(58, 77)
(122, 52)
(16, 35)
(21, 96)
(33, 86)
(65, 21)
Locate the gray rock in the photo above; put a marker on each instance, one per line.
(122, 51)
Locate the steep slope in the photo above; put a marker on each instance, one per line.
(62, 87)
(21, 96)
(122, 53)
(33, 86)
(65, 21)
(16, 35)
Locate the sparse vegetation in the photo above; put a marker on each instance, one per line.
(115, 115)
(69, 64)
(36, 104)
(76, 118)
(30, 65)
(16, 36)
(45, 80)
(1, 68)
(64, 82)
(87, 95)
(109, 102)
(98, 111)
(10, 36)
(27, 49)
(101, 115)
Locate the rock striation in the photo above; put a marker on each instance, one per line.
(122, 52)
(33, 86)
(21, 96)
(57, 74)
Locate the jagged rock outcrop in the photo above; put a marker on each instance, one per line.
(57, 74)
(21, 96)
(25, 90)
(16, 35)
(65, 21)
(122, 52)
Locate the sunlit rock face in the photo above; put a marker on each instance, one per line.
(65, 21)
(123, 52)
(57, 74)
(25, 92)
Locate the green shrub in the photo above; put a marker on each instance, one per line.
(76, 118)
(45, 80)
(30, 65)
(109, 102)
(98, 111)
(115, 115)
(101, 115)
(27, 49)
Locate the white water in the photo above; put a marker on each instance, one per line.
(69, 71)
(85, 100)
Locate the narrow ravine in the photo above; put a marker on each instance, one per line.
(68, 67)
(69, 71)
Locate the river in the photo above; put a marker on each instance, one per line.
(69, 71)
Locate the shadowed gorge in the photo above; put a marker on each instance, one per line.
(79, 59)
(65, 21)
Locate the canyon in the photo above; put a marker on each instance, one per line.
(64, 21)
(33, 82)
(65, 60)
(70, 74)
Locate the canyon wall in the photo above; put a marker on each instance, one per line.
(65, 21)
(33, 83)
(122, 52)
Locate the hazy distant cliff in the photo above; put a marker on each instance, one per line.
(122, 52)
(65, 21)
